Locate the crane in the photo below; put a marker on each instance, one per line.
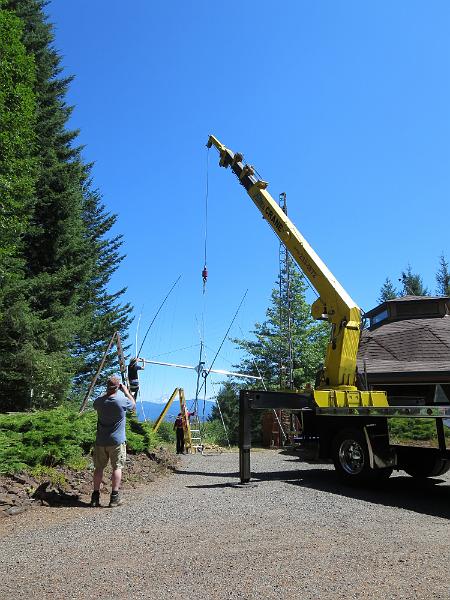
(337, 383)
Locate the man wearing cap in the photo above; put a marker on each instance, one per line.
(110, 442)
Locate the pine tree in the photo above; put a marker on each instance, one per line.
(101, 311)
(17, 122)
(67, 256)
(412, 284)
(54, 244)
(443, 278)
(268, 352)
(17, 185)
(388, 291)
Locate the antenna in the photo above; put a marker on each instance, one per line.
(286, 379)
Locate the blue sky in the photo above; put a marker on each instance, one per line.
(342, 105)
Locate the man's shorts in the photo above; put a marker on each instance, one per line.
(116, 454)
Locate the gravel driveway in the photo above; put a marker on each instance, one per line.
(294, 532)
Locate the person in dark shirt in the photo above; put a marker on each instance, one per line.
(110, 441)
(133, 375)
(179, 427)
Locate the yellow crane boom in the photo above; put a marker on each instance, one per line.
(334, 304)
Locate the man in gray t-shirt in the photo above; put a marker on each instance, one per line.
(110, 442)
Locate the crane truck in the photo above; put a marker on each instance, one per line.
(339, 420)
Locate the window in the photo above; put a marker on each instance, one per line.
(378, 318)
(440, 397)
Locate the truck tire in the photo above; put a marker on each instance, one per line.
(423, 466)
(351, 459)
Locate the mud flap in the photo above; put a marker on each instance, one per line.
(381, 454)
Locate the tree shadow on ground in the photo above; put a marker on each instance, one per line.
(421, 496)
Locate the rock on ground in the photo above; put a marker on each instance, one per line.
(294, 532)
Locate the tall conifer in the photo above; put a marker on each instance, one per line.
(67, 256)
(388, 291)
(412, 284)
(443, 278)
(17, 186)
(102, 312)
(17, 123)
(269, 349)
(54, 243)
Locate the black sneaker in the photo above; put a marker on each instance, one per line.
(95, 499)
(115, 500)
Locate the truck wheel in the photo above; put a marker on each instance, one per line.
(351, 459)
(424, 466)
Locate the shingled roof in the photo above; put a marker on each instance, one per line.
(396, 349)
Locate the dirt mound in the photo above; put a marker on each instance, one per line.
(67, 487)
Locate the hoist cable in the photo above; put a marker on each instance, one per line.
(199, 373)
(206, 202)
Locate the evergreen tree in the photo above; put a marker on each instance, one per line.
(102, 312)
(412, 284)
(268, 352)
(443, 278)
(54, 244)
(66, 255)
(17, 122)
(17, 185)
(388, 291)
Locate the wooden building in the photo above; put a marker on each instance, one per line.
(406, 350)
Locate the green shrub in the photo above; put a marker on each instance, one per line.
(42, 473)
(214, 433)
(166, 432)
(140, 436)
(59, 436)
(413, 429)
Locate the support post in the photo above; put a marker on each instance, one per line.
(262, 400)
(245, 436)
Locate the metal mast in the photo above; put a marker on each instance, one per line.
(286, 371)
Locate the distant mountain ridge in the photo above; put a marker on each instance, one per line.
(152, 410)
